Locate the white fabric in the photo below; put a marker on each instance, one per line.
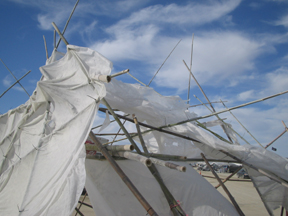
(111, 197)
(158, 110)
(42, 142)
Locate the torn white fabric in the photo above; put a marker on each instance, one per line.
(42, 142)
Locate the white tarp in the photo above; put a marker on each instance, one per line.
(111, 197)
(42, 142)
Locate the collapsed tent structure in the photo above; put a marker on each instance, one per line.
(42, 169)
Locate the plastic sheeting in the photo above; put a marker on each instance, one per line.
(158, 110)
(42, 142)
(111, 197)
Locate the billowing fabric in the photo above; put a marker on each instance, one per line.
(42, 142)
(111, 197)
(158, 110)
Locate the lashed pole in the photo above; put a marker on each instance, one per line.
(223, 186)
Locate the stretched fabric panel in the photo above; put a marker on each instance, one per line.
(110, 196)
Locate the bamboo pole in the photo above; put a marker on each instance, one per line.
(205, 103)
(15, 83)
(242, 125)
(188, 95)
(174, 206)
(60, 34)
(223, 122)
(275, 139)
(273, 177)
(224, 129)
(66, 25)
(81, 203)
(15, 77)
(137, 79)
(54, 41)
(111, 148)
(226, 110)
(45, 44)
(224, 187)
(164, 62)
(123, 176)
(121, 125)
(168, 164)
(230, 176)
(136, 157)
(119, 73)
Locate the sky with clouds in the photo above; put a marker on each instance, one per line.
(239, 51)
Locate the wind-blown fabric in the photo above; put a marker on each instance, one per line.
(158, 110)
(42, 142)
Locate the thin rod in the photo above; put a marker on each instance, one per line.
(123, 176)
(137, 79)
(119, 73)
(15, 83)
(230, 176)
(118, 133)
(45, 44)
(204, 103)
(273, 177)
(140, 134)
(81, 202)
(275, 139)
(54, 39)
(218, 119)
(67, 24)
(120, 124)
(214, 111)
(59, 33)
(188, 95)
(157, 129)
(14, 77)
(242, 125)
(226, 110)
(164, 62)
(224, 187)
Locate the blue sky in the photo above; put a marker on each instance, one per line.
(239, 52)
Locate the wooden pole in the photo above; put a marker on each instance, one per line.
(123, 176)
(224, 187)
(60, 34)
(119, 73)
(140, 135)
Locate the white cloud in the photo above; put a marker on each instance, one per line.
(277, 80)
